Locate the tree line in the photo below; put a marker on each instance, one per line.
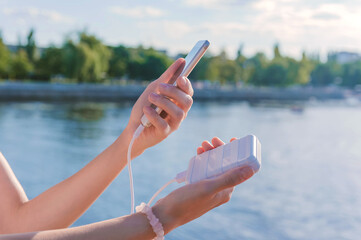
(86, 59)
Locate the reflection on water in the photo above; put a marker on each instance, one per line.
(85, 112)
(308, 186)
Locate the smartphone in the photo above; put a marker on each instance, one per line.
(194, 56)
(191, 61)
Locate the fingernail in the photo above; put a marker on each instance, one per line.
(246, 172)
(153, 96)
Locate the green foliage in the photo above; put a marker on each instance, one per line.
(50, 63)
(228, 70)
(255, 68)
(351, 74)
(326, 73)
(154, 64)
(280, 71)
(240, 61)
(87, 59)
(4, 60)
(30, 46)
(275, 75)
(69, 56)
(119, 61)
(322, 75)
(147, 64)
(206, 70)
(20, 66)
(304, 70)
(276, 51)
(217, 68)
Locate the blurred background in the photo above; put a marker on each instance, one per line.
(287, 71)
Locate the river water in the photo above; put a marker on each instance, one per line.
(309, 186)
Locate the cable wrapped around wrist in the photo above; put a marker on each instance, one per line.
(153, 220)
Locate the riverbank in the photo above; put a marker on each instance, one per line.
(12, 91)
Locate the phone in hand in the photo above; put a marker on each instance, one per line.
(191, 61)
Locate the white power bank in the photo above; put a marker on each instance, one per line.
(245, 151)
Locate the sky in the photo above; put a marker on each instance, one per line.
(314, 26)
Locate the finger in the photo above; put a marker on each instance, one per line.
(224, 195)
(232, 178)
(232, 139)
(182, 99)
(227, 191)
(217, 142)
(185, 85)
(175, 112)
(173, 72)
(155, 119)
(207, 146)
(200, 150)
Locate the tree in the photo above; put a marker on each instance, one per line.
(304, 70)
(154, 64)
(69, 54)
(206, 69)
(50, 63)
(20, 66)
(4, 59)
(293, 71)
(119, 61)
(30, 46)
(241, 61)
(275, 75)
(87, 59)
(322, 75)
(147, 64)
(276, 51)
(282, 71)
(351, 74)
(229, 71)
(224, 69)
(254, 68)
(212, 69)
(136, 60)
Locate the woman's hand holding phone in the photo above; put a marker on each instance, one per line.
(175, 102)
(172, 103)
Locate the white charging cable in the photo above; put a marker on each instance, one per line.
(129, 159)
(179, 178)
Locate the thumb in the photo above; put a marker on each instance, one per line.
(173, 72)
(232, 178)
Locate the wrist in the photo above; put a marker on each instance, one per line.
(153, 220)
(125, 138)
(165, 218)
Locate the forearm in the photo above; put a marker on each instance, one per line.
(135, 226)
(71, 197)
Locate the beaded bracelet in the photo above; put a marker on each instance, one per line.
(153, 220)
